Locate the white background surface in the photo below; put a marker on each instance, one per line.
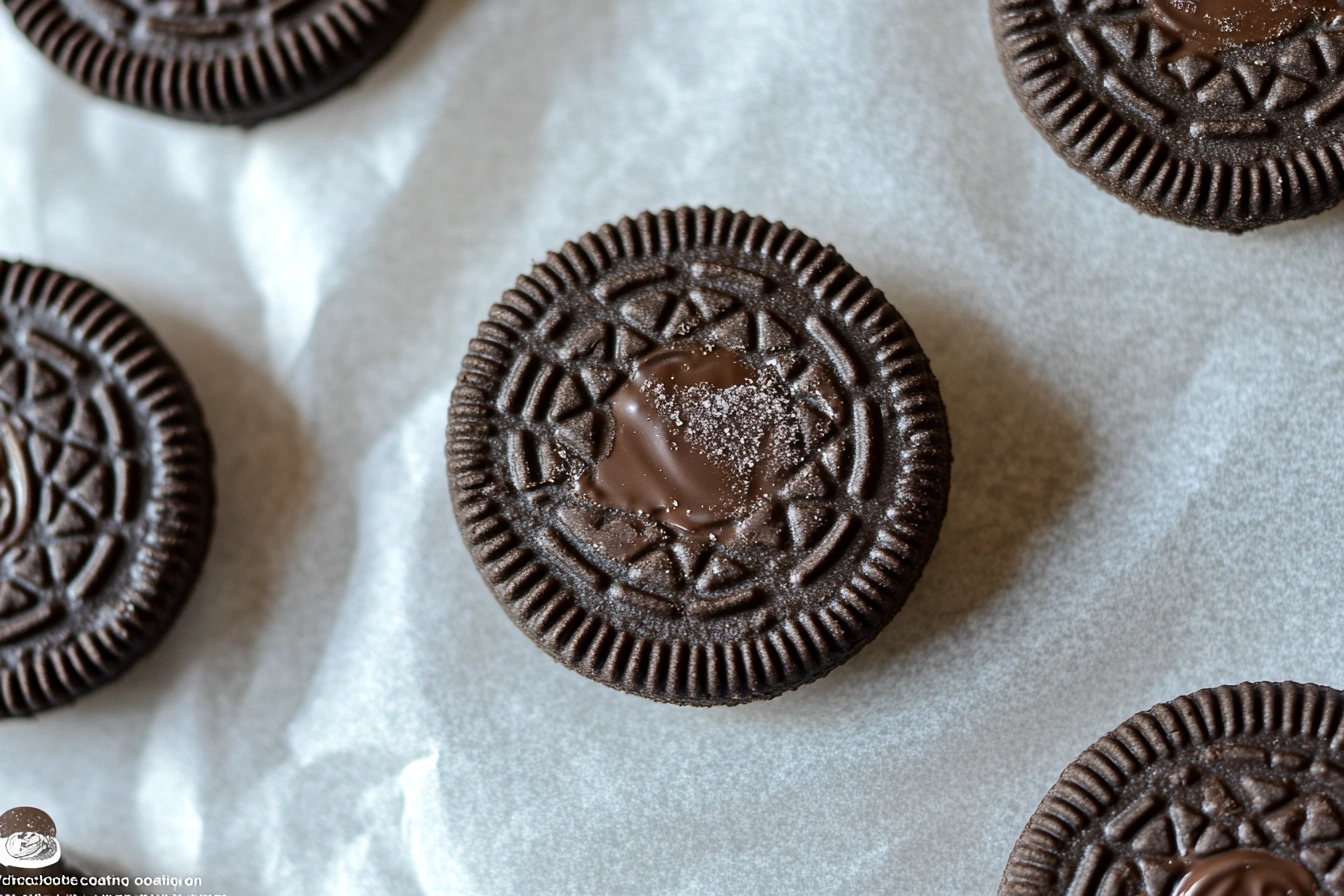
(1146, 420)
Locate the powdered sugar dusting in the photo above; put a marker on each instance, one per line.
(730, 426)
(702, 437)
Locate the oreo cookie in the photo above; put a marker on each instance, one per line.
(1223, 114)
(217, 61)
(698, 457)
(1232, 791)
(106, 498)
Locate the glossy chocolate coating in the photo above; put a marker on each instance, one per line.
(1207, 26)
(694, 431)
(697, 457)
(1246, 872)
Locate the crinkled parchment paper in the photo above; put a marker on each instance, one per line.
(1148, 424)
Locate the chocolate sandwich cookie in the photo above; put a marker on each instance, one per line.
(1233, 791)
(217, 61)
(106, 498)
(1224, 114)
(698, 457)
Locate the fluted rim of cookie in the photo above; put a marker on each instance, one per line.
(1256, 767)
(636, 611)
(306, 50)
(1108, 86)
(120, 461)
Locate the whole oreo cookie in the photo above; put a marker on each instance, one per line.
(218, 61)
(1224, 114)
(106, 498)
(697, 457)
(1233, 791)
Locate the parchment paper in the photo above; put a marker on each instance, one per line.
(1146, 420)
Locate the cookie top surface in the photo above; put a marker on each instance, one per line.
(105, 492)
(1232, 791)
(697, 457)
(217, 61)
(1223, 114)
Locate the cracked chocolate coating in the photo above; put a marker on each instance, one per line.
(827, 515)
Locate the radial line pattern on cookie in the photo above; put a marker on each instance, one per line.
(219, 61)
(1226, 789)
(1233, 137)
(798, 567)
(105, 498)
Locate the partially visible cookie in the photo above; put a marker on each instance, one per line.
(106, 498)
(697, 457)
(1232, 791)
(217, 61)
(1223, 114)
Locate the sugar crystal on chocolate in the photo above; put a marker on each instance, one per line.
(701, 436)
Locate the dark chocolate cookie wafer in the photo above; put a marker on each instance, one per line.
(1234, 791)
(218, 61)
(697, 457)
(106, 498)
(1224, 114)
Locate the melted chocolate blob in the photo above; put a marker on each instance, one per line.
(1207, 26)
(1246, 872)
(700, 437)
